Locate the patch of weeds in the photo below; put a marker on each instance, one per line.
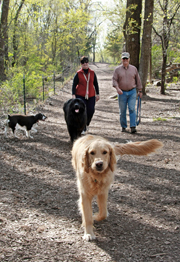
(159, 119)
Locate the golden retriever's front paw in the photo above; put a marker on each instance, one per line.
(89, 237)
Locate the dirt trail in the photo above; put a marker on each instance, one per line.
(39, 220)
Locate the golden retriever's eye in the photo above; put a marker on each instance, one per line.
(104, 152)
(92, 153)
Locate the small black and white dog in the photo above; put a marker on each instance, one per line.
(24, 122)
(75, 116)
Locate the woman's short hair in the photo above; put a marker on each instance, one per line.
(84, 59)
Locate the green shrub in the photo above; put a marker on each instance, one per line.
(175, 79)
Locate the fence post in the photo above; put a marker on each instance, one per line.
(24, 91)
(43, 86)
(54, 82)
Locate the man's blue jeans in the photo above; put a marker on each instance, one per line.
(127, 99)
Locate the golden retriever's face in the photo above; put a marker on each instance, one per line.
(98, 156)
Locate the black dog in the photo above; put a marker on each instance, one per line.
(23, 122)
(75, 116)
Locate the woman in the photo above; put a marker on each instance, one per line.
(85, 86)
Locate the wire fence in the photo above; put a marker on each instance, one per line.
(48, 87)
(25, 101)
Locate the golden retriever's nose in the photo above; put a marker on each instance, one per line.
(99, 165)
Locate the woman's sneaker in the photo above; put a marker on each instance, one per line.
(86, 129)
(83, 132)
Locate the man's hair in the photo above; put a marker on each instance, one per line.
(84, 59)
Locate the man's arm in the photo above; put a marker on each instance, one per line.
(139, 85)
(115, 83)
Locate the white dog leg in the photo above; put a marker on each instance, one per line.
(6, 130)
(28, 134)
(34, 130)
(15, 131)
(19, 127)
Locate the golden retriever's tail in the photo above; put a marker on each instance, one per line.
(138, 148)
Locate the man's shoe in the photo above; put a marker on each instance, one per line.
(123, 129)
(133, 130)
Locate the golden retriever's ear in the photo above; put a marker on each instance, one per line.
(86, 161)
(112, 162)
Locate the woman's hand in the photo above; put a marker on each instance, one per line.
(97, 98)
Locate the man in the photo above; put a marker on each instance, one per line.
(126, 80)
(85, 86)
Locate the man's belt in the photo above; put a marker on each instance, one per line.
(127, 90)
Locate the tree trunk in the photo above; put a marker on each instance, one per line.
(3, 37)
(163, 73)
(150, 63)
(94, 53)
(94, 45)
(15, 47)
(146, 43)
(132, 29)
(165, 36)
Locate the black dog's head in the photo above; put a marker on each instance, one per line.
(77, 106)
(40, 116)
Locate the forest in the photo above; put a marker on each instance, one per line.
(43, 38)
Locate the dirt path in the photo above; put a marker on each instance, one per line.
(39, 220)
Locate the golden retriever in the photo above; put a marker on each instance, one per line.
(94, 160)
